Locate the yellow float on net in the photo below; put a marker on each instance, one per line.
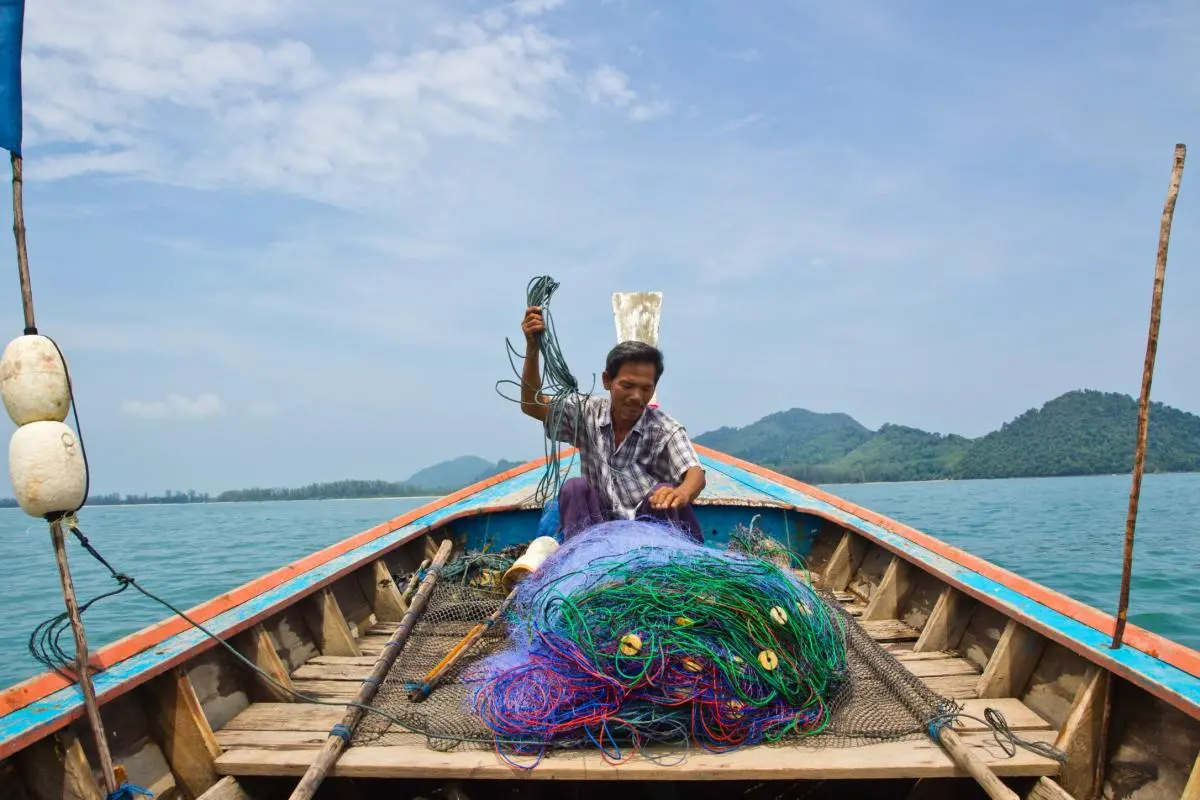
(779, 615)
(768, 659)
(631, 644)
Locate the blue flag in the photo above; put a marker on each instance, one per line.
(12, 29)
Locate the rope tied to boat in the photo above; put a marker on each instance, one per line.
(45, 641)
(994, 721)
(128, 791)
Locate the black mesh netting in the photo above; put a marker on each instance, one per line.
(881, 701)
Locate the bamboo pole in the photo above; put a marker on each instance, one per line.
(1160, 269)
(336, 743)
(18, 183)
(81, 657)
(974, 765)
(57, 535)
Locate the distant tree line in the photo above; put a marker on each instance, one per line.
(115, 499)
(336, 490)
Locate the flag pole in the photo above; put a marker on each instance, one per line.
(18, 180)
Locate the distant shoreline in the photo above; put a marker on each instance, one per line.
(1005, 478)
(10, 503)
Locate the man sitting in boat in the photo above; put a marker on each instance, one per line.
(636, 460)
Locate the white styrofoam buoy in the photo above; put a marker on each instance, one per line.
(33, 381)
(45, 462)
(534, 555)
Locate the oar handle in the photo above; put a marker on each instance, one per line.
(973, 764)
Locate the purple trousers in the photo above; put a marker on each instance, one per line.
(579, 507)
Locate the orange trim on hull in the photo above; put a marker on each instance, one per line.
(39, 686)
(1151, 644)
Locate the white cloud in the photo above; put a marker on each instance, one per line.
(175, 407)
(608, 86)
(530, 8)
(259, 95)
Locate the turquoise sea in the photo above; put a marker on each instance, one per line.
(1066, 533)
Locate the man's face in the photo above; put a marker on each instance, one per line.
(631, 389)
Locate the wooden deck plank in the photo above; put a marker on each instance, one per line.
(889, 630)
(333, 672)
(328, 690)
(1019, 716)
(955, 687)
(285, 716)
(273, 740)
(913, 655)
(913, 759)
(367, 661)
(936, 667)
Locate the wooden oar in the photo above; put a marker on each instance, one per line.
(980, 771)
(339, 737)
(535, 554)
(434, 676)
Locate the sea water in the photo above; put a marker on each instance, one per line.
(1066, 533)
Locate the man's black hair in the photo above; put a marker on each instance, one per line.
(633, 352)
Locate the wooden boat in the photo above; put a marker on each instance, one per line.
(184, 719)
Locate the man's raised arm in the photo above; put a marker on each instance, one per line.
(533, 403)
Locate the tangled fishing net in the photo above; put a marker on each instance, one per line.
(631, 639)
(631, 633)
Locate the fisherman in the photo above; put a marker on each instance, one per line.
(636, 460)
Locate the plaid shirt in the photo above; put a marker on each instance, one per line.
(656, 450)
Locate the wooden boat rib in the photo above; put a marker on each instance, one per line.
(185, 719)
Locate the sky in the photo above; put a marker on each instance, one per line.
(283, 241)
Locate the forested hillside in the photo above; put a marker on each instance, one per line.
(1084, 432)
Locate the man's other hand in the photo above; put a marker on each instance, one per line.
(668, 497)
